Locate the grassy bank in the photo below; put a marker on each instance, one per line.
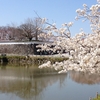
(19, 59)
(97, 98)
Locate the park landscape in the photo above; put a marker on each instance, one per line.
(61, 57)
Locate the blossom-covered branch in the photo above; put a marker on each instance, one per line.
(82, 50)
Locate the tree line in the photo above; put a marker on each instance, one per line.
(31, 29)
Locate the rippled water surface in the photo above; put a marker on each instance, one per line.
(22, 83)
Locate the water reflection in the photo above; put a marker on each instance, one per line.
(28, 82)
(31, 83)
(85, 78)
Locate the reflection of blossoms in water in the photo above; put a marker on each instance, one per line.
(85, 78)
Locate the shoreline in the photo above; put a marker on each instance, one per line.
(30, 59)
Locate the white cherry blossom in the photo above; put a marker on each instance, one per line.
(82, 50)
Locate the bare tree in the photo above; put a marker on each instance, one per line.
(31, 28)
(19, 36)
(3, 31)
(38, 27)
(11, 33)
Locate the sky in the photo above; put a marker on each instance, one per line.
(56, 11)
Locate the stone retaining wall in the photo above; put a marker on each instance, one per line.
(17, 49)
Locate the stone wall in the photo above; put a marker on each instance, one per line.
(17, 49)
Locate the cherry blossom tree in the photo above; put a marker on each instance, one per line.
(83, 49)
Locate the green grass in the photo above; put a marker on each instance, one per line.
(97, 98)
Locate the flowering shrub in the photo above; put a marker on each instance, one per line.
(83, 49)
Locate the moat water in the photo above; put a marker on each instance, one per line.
(31, 83)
